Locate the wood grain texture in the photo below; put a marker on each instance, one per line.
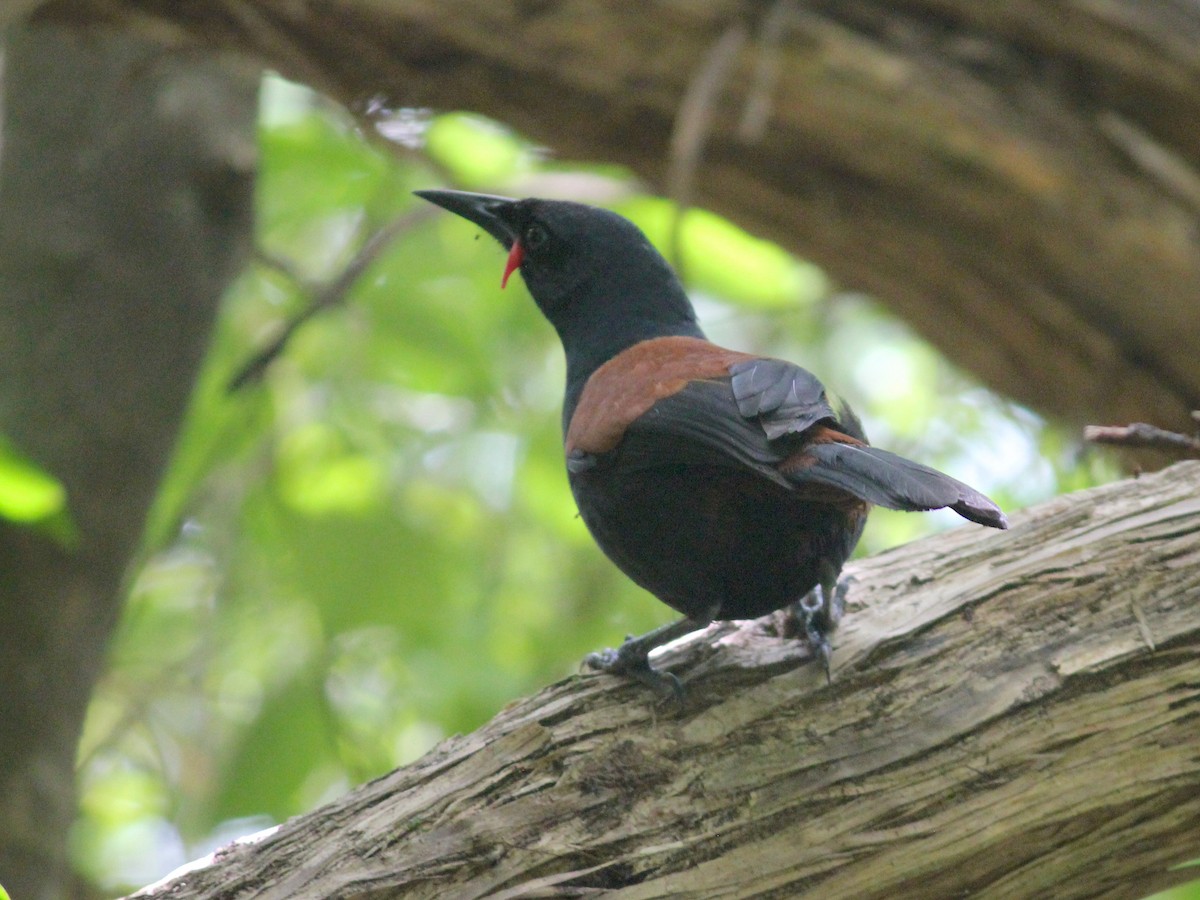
(1020, 181)
(1012, 715)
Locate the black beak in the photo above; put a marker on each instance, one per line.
(485, 210)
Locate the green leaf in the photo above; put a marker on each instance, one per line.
(27, 492)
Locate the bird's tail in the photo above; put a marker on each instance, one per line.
(894, 482)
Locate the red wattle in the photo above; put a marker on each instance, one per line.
(516, 256)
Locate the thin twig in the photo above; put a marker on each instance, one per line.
(1140, 435)
(767, 68)
(330, 294)
(693, 123)
(284, 267)
(1168, 168)
(264, 32)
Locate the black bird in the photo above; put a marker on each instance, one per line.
(724, 483)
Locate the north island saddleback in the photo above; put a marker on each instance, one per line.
(724, 483)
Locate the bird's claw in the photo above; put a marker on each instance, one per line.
(818, 642)
(602, 660)
(636, 665)
(819, 612)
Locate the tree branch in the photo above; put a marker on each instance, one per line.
(1009, 712)
(126, 198)
(326, 295)
(1012, 179)
(1142, 435)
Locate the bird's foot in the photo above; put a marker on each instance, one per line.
(818, 613)
(632, 659)
(633, 662)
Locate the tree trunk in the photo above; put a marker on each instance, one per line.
(1020, 181)
(125, 210)
(1011, 715)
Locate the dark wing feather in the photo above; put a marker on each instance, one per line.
(700, 425)
(746, 419)
(892, 481)
(763, 417)
(786, 399)
(783, 397)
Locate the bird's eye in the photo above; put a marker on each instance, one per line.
(535, 236)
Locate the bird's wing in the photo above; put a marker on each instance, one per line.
(704, 406)
(780, 396)
(887, 480)
(700, 425)
(785, 399)
(681, 401)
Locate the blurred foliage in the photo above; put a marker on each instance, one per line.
(374, 546)
(33, 498)
(27, 493)
(1187, 891)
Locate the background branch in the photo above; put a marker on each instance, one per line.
(1012, 181)
(324, 296)
(1141, 435)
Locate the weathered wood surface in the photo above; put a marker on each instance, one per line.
(1021, 181)
(1012, 714)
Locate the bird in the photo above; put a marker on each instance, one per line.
(728, 485)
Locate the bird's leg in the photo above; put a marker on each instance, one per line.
(819, 612)
(633, 658)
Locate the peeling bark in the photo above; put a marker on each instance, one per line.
(1014, 714)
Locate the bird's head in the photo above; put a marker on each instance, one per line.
(594, 274)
